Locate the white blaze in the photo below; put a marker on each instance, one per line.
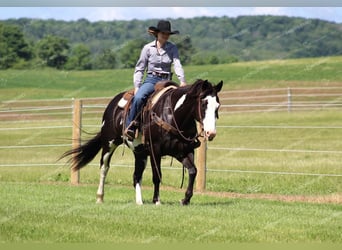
(209, 121)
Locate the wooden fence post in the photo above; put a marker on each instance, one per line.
(76, 137)
(201, 164)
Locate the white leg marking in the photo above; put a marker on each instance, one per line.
(180, 102)
(138, 196)
(103, 172)
(100, 190)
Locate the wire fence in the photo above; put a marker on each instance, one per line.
(281, 99)
(29, 116)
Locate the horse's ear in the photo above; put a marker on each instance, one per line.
(218, 87)
(205, 85)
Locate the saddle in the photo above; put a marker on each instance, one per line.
(159, 89)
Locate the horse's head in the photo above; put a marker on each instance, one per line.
(208, 104)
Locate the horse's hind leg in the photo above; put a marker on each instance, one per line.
(188, 163)
(107, 153)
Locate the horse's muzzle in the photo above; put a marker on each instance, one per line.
(210, 135)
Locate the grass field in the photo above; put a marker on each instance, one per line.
(285, 158)
(46, 84)
(325, 139)
(62, 213)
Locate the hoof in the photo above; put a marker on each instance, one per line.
(184, 202)
(99, 199)
(157, 203)
(139, 203)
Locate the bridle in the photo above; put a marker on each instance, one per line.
(175, 129)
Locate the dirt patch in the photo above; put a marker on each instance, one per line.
(321, 199)
(332, 198)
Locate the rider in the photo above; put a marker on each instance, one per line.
(156, 58)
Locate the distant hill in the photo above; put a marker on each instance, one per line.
(217, 39)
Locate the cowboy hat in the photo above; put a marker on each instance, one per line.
(163, 26)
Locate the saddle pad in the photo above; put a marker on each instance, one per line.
(126, 98)
(157, 95)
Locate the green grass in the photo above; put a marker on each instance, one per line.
(48, 83)
(229, 161)
(62, 213)
(324, 139)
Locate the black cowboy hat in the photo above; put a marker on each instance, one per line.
(163, 26)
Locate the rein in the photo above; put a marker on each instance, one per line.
(175, 129)
(175, 122)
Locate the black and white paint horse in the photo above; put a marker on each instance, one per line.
(168, 127)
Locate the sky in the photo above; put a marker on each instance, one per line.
(333, 14)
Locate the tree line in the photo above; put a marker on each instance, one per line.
(84, 45)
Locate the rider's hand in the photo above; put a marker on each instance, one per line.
(183, 84)
(136, 90)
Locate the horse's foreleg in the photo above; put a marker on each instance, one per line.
(105, 160)
(156, 178)
(188, 163)
(140, 164)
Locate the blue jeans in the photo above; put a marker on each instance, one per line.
(141, 96)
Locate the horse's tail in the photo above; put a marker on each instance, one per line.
(82, 155)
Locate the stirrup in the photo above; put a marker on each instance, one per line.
(130, 133)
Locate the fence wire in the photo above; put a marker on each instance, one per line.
(29, 111)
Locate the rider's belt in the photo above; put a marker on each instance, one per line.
(161, 75)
